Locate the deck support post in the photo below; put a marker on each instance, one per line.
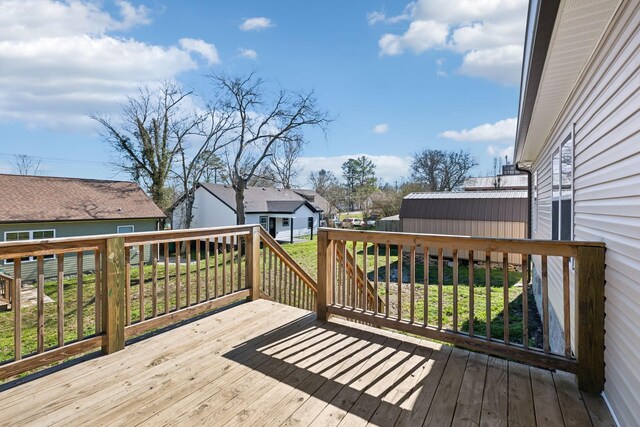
(113, 295)
(253, 263)
(589, 317)
(325, 274)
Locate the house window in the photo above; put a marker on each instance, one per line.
(14, 236)
(285, 222)
(263, 222)
(310, 222)
(125, 229)
(562, 192)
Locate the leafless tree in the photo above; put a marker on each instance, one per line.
(26, 165)
(326, 184)
(150, 131)
(439, 170)
(263, 120)
(284, 160)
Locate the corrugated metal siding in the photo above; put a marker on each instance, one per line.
(516, 230)
(605, 108)
(471, 208)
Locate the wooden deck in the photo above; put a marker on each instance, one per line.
(263, 363)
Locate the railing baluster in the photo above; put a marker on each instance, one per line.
(400, 280)
(198, 245)
(567, 306)
(270, 272)
(127, 284)
(166, 277)
(40, 296)
(187, 279)
(97, 267)
(141, 281)
(387, 280)
(79, 298)
(239, 259)
(295, 289)
(264, 268)
(231, 261)
(545, 305)
(487, 284)
(412, 263)
(525, 301)
(215, 267)
(376, 308)
(207, 266)
(354, 275)
(17, 309)
(343, 248)
(472, 294)
(425, 281)
(224, 265)
(440, 285)
(178, 278)
(60, 302)
(365, 279)
(154, 280)
(505, 303)
(455, 290)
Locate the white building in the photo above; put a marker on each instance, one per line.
(282, 212)
(579, 136)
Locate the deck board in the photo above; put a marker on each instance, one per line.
(263, 363)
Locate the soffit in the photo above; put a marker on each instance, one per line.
(578, 29)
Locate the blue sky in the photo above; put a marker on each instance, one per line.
(399, 76)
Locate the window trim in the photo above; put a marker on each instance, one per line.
(266, 222)
(562, 194)
(287, 224)
(31, 258)
(133, 229)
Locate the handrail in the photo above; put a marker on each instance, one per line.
(290, 262)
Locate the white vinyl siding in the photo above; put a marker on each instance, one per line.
(605, 107)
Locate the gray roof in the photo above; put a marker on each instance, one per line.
(260, 199)
(478, 206)
(314, 198)
(506, 182)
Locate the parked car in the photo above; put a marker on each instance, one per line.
(346, 223)
(357, 222)
(371, 222)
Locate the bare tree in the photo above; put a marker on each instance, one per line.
(263, 120)
(326, 184)
(26, 165)
(148, 134)
(439, 170)
(284, 161)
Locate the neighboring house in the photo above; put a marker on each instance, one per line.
(318, 201)
(509, 179)
(283, 213)
(44, 207)
(474, 213)
(578, 135)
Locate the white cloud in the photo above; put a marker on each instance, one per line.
(388, 168)
(206, 50)
(381, 128)
(256, 24)
(503, 130)
(247, 53)
(377, 16)
(489, 34)
(496, 151)
(60, 63)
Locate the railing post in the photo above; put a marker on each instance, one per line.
(589, 313)
(253, 263)
(113, 296)
(325, 274)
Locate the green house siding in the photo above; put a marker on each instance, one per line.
(73, 229)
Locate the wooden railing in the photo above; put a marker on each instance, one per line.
(97, 291)
(471, 300)
(282, 279)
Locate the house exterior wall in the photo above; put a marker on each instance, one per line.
(604, 113)
(300, 222)
(516, 230)
(208, 211)
(73, 229)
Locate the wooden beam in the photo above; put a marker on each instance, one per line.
(589, 296)
(114, 296)
(252, 276)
